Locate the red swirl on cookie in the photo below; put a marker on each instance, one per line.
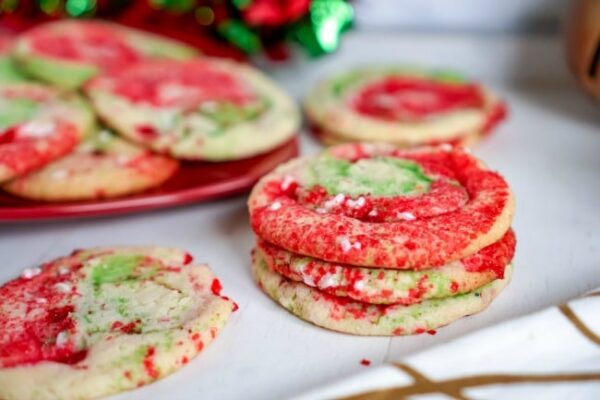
(97, 44)
(36, 316)
(27, 146)
(384, 175)
(177, 84)
(411, 98)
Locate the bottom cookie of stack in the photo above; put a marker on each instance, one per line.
(359, 318)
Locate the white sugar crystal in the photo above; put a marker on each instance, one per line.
(328, 281)
(63, 287)
(29, 273)
(373, 213)
(63, 270)
(445, 147)
(41, 300)
(62, 338)
(407, 216)
(347, 245)
(37, 129)
(287, 182)
(59, 174)
(299, 265)
(336, 201)
(359, 285)
(358, 203)
(307, 279)
(275, 206)
(321, 210)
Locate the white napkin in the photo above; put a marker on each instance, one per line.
(551, 354)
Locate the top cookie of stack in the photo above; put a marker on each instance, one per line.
(374, 240)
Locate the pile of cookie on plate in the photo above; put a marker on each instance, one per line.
(92, 110)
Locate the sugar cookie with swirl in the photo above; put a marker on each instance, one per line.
(375, 205)
(202, 109)
(38, 124)
(105, 320)
(392, 286)
(403, 106)
(359, 318)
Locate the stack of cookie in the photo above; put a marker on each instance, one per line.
(375, 240)
(157, 101)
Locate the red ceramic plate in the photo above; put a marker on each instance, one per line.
(194, 182)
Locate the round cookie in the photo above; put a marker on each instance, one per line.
(104, 166)
(202, 109)
(387, 286)
(405, 107)
(357, 318)
(38, 124)
(67, 53)
(332, 139)
(8, 70)
(375, 205)
(105, 320)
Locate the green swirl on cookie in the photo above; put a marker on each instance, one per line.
(17, 110)
(377, 176)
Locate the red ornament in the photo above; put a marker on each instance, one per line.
(274, 12)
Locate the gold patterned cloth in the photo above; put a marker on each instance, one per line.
(551, 354)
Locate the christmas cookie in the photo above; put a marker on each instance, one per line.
(103, 166)
(380, 206)
(203, 109)
(344, 315)
(402, 106)
(38, 124)
(67, 53)
(103, 321)
(388, 286)
(8, 69)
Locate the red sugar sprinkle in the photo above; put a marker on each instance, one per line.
(188, 258)
(147, 131)
(149, 366)
(398, 331)
(432, 332)
(216, 286)
(365, 362)
(454, 286)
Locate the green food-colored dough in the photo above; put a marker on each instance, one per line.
(16, 111)
(378, 176)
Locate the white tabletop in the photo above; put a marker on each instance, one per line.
(549, 151)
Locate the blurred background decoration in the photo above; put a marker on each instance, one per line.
(233, 28)
(583, 45)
